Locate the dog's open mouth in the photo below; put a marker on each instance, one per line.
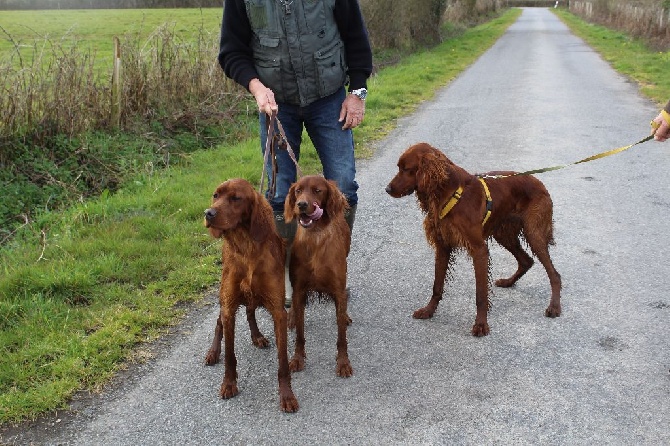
(306, 221)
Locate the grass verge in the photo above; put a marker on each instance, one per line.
(629, 56)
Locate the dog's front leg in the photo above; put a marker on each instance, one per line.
(229, 384)
(287, 400)
(298, 308)
(442, 258)
(480, 260)
(344, 368)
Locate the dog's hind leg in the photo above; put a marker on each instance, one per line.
(229, 384)
(541, 250)
(538, 231)
(214, 352)
(256, 336)
(511, 242)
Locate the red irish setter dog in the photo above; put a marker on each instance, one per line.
(319, 259)
(253, 275)
(464, 211)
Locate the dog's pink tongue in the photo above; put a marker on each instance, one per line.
(318, 212)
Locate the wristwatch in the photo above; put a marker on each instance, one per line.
(362, 93)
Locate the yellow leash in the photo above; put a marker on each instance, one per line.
(489, 202)
(590, 158)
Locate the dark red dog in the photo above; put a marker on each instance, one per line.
(319, 259)
(463, 211)
(253, 275)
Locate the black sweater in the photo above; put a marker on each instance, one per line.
(236, 57)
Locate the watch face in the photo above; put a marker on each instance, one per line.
(361, 93)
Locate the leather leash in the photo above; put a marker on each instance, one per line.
(275, 140)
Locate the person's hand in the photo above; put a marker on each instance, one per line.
(352, 112)
(660, 127)
(265, 98)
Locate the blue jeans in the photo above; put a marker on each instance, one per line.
(334, 146)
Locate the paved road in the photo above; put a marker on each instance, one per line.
(596, 375)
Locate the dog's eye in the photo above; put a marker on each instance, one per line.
(215, 196)
(298, 190)
(317, 190)
(235, 198)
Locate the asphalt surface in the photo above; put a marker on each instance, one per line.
(599, 374)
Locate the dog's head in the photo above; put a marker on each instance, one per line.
(312, 200)
(236, 204)
(419, 168)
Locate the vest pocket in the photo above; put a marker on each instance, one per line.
(330, 68)
(267, 62)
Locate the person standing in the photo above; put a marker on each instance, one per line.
(297, 58)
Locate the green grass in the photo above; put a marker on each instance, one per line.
(79, 290)
(97, 28)
(630, 57)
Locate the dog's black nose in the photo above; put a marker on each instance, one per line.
(388, 189)
(210, 213)
(302, 205)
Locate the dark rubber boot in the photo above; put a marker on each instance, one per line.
(350, 217)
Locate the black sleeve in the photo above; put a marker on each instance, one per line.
(357, 47)
(235, 54)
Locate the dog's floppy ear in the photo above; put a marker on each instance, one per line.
(337, 202)
(262, 220)
(289, 204)
(432, 169)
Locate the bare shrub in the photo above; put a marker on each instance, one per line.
(399, 24)
(646, 19)
(60, 87)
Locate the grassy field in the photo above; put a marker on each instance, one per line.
(80, 290)
(97, 28)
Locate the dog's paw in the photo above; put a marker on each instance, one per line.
(344, 369)
(504, 283)
(423, 313)
(297, 363)
(480, 329)
(260, 341)
(552, 311)
(212, 357)
(288, 402)
(228, 389)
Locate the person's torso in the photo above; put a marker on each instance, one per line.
(297, 48)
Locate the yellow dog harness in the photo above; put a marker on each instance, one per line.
(457, 196)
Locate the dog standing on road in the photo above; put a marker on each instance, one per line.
(319, 259)
(253, 259)
(464, 210)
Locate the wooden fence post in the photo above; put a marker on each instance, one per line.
(117, 86)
